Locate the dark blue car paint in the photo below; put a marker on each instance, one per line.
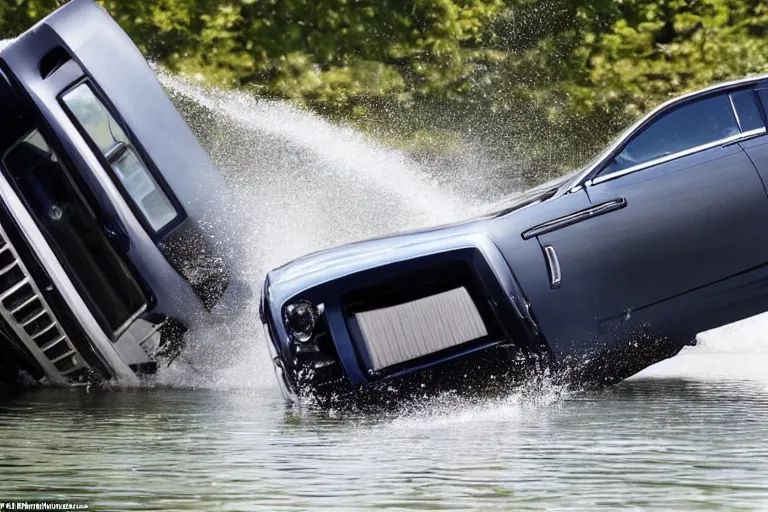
(662, 253)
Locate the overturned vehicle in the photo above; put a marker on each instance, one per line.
(109, 255)
(599, 274)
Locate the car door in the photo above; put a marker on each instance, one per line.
(757, 147)
(678, 207)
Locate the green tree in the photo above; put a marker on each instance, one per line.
(542, 82)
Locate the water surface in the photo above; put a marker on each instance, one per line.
(649, 443)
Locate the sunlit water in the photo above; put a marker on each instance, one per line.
(211, 433)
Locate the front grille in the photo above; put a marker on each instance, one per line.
(26, 312)
(419, 317)
(421, 327)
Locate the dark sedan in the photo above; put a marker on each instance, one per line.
(111, 246)
(600, 274)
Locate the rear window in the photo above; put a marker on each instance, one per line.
(106, 133)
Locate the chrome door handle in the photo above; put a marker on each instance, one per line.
(574, 218)
(553, 267)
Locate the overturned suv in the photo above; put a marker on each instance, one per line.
(109, 252)
(598, 274)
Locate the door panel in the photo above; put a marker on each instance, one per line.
(687, 223)
(757, 150)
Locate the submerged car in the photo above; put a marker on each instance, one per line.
(598, 274)
(111, 249)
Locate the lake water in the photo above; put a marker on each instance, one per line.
(679, 438)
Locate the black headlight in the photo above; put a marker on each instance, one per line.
(300, 320)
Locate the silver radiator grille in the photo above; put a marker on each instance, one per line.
(25, 311)
(414, 329)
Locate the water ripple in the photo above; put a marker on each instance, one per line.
(652, 443)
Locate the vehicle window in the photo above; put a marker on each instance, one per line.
(763, 93)
(687, 127)
(141, 186)
(110, 138)
(746, 109)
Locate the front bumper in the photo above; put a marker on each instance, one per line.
(485, 274)
(286, 388)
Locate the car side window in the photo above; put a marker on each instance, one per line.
(763, 94)
(686, 127)
(747, 110)
(104, 130)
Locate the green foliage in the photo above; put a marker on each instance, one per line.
(549, 80)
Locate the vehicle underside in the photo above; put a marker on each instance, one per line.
(109, 252)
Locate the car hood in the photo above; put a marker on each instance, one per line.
(314, 269)
(317, 268)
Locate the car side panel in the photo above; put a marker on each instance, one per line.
(526, 259)
(721, 303)
(757, 150)
(687, 224)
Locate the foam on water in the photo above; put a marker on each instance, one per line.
(733, 352)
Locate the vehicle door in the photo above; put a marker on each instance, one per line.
(678, 207)
(757, 147)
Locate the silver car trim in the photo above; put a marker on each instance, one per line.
(736, 114)
(13, 289)
(629, 132)
(553, 264)
(33, 317)
(70, 353)
(45, 330)
(23, 304)
(53, 343)
(20, 326)
(674, 156)
(125, 325)
(574, 218)
(403, 332)
(8, 267)
(82, 315)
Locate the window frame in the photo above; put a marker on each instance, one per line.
(595, 178)
(141, 154)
